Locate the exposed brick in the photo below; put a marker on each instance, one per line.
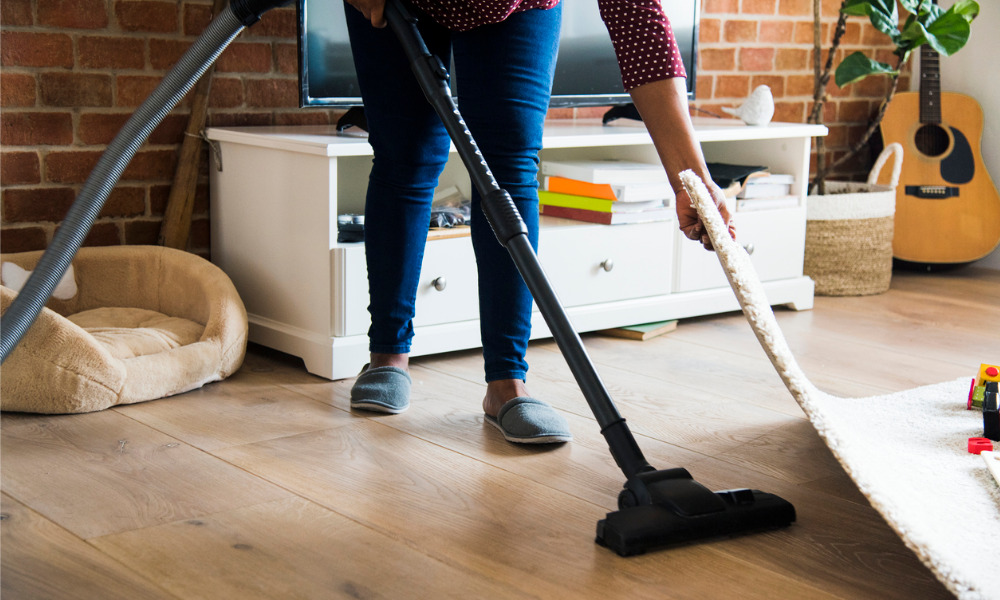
(16, 13)
(795, 7)
(721, 6)
(34, 205)
(158, 197)
(22, 239)
(75, 14)
(164, 54)
(703, 85)
(279, 22)
(240, 119)
(35, 128)
(874, 86)
(196, 18)
(105, 52)
(71, 166)
(792, 59)
(142, 232)
(758, 7)
(102, 234)
(804, 33)
(19, 168)
(709, 30)
(286, 58)
(17, 90)
(776, 32)
(125, 201)
(245, 58)
(732, 86)
(852, 34)
(775, 82)
(200, 236)
(739, 31)
(756, 59)
(148, 16)
(170, 130)
(718, 59)
(854, 111)
(789, 112)
(799, 85)
(99, 128)
(272, 93)
(30, 49)
(307, 116)
(227, 92)
(134, 89)
(74, 89)
(151, 165)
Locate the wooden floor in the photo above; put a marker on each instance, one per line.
(267, 486)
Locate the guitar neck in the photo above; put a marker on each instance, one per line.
(930, 86)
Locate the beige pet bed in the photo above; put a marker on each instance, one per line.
(140, 323)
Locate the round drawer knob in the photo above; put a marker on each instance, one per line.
(749, 247)
(440, 283)
(608, 265)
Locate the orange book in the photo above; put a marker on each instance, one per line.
(580, 188)
(617, 192)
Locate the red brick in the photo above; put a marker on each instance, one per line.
(19, 168)
(134, 89)
(151, 165)
(703, 85)
(34, 205)
(125, 201)
(308, 116)
(756, 59)
(200, 236)
(71, 166)
(158, 197)
(775, 82)
(17, 90)
(272, 93)
(104, 52)
(758, 7)
(170, 130)
(156, 17)
(16, 13)
(717, 59)
(74, 89)
(280, 22)
(227, 92)
(142, 232)
(287, 58)
(74, 14)
(245, 58)
(709, 30)
(804, 32)
(29, 49)
(732, 86)
(854, 111)
(720, 6)
(852, 34)
(36, 128)
(795, 7)
(776, 32)
(99, 128)
(739, 31)
(102, 234)
(22, 239)
(196, 18)
(800, 85)
(874, 86)
(164, 54)
(789, 112)
(240, 119)
(792, 59)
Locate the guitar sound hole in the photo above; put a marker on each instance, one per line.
(932, 140)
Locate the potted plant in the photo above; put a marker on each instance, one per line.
(849, 225)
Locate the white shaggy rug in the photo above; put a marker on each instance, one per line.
(905, 451)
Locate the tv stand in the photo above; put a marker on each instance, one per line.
(274, 232)
(354, 117)
(621, 111)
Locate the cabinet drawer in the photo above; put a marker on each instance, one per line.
(777, 238)
(447, 291)
(590, 264)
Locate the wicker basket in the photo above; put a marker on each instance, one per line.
(849, 233)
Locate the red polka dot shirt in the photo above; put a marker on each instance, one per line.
(640, 32)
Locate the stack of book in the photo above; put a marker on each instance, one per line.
(766, 191)
(605, 191)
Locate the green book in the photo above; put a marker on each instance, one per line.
(598, 204)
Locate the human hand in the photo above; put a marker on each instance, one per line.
(689, 221)
(373, 10)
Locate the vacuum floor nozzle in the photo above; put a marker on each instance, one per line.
(681, 510)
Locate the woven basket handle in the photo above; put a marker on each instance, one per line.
(896, 149)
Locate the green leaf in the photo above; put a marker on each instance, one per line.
(969, 9)
(948, 34)
(857, 66)
(911, 6)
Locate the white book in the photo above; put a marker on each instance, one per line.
(748, 204)
(764, 190)
(606, 171)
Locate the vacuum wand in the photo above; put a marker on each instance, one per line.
(657, 508)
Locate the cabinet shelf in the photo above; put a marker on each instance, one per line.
(274, 228)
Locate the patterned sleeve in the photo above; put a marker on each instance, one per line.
(643, 41)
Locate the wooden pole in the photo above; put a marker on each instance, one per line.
(176, 226)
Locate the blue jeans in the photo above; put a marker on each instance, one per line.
(503, 79)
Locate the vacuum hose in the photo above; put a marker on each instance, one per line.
(81, 216)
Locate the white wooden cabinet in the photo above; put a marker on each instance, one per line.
(277, 191)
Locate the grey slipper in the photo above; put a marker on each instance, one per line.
(382, 389)
(525, 420)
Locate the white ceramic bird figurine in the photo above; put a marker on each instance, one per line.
(758, 108)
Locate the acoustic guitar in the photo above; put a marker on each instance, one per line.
(947, 207)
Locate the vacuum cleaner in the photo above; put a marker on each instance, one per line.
(657, 508)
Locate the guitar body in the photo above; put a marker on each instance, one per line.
(947, 207)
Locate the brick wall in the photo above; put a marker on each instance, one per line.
(75, 70)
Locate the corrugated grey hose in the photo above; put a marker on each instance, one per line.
(80, 218)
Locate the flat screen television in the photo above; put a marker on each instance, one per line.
(586, 68)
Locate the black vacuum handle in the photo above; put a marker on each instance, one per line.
(509, 227)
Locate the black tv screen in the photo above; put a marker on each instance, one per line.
(586, 68)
